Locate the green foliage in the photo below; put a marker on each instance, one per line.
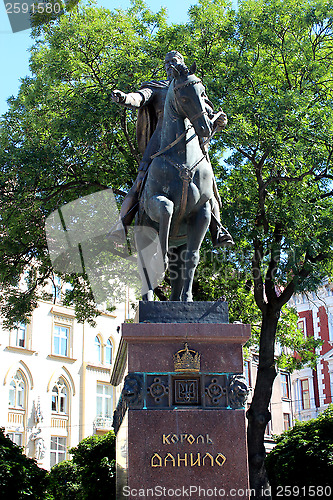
(269, 65)
(64, 138)
(91, 472)
(20, 476)
(303, 455)
(63, 481)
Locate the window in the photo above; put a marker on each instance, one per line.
(20, 335)
(268, 429)
(16, 437)
(301, 326)
(286, 421)
(104, 401)
(58, 450)
(98, 349)
(108, 352)
(59, 397)
(330, 325)
(305, 394)
(17, 391)
(60, 340)
(285, 385)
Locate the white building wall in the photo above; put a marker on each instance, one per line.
(41, 368)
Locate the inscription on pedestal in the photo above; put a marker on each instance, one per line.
(187, 459)
(188, 448)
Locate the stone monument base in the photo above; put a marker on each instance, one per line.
(180, 421)
(194, 449)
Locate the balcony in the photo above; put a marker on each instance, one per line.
(103, 423)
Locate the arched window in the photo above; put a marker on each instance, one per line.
(108, 352)
(59, 397)
(98, 349)
(17, 391)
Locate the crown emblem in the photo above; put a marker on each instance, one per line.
(187, 360)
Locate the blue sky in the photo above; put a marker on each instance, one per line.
(14, 47)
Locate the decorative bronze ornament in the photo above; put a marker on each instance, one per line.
(157, 390)
(215, 391)
(186, 360)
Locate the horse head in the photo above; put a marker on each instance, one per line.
(191, 99)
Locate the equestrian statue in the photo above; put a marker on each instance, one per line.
(175, 193)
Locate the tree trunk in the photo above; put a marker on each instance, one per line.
(258, 414)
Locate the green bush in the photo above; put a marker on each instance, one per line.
(303, 455)
(20, 476)
(90, 475)
(64, 482)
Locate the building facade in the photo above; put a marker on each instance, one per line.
(313, 388)
(55, 380)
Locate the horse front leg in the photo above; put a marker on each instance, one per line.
(147, 247)
(176, 271)
(196, 230)
(160, 209)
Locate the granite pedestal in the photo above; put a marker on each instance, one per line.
(180, 420)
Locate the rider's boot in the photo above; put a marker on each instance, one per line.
(129, 207)
(127, 214)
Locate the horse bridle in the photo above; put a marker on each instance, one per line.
(192, 119)
(176, 88)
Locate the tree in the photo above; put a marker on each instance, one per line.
(303, 455)
(91, 472)
(64, 138)
(269, 65)
(20, 476)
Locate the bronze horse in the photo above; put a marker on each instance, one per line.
(175, 197)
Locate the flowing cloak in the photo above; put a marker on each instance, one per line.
(147, 115)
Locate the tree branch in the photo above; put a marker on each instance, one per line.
(303, 273)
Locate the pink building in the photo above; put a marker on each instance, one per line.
(312, 389)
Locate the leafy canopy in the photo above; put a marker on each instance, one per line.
(269, 65)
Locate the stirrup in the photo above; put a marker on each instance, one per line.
(223, 240)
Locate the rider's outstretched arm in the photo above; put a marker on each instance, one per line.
(132, 100)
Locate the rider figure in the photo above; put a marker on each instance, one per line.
(149, 99)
